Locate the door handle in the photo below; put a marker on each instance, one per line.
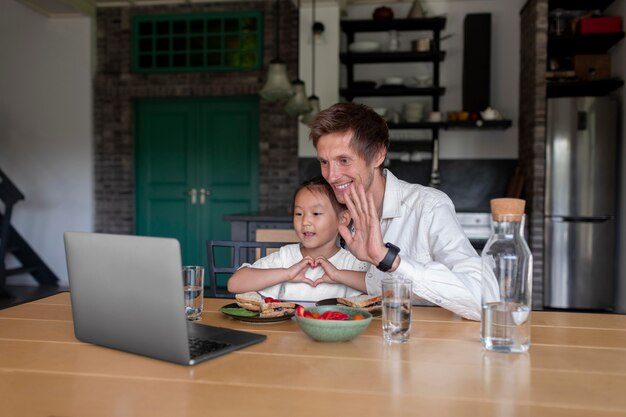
(203, 194)
(193, 195)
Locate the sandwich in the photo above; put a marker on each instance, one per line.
(266, 307)
(277, 309)
(370, 303)
(250, 301)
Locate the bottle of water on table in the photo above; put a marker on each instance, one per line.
(506, 280)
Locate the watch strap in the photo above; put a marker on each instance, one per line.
(387, 262)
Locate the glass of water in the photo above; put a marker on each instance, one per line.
(193, 287)
(396, 310)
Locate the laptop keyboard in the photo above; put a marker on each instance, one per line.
(198, 347)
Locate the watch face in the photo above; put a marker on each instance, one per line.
(392, 246)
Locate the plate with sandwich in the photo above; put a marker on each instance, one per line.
(254, 308)
(369, 303)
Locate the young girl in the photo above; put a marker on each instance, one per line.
(314, 269)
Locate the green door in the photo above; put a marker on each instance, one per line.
(196, 161)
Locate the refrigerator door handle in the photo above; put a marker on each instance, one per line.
(597, 219)
(582, 120)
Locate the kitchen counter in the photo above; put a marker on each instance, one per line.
(477, 226)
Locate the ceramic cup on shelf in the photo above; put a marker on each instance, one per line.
(435, 116)
(413, 111)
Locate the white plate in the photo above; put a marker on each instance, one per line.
(364, 46)
(393, 81)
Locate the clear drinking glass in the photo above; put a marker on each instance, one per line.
(506, 287)
(193, 287)
(396, 310)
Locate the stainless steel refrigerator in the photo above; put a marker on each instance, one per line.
(580, 203)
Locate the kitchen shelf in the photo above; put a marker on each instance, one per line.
(468, 124)
(410, 145)
(370, 25)
(578, 88)
(351, 93)
(390, 57)
(563, 49)
(435, 56)
(580, 4)
(593, 43)
(480, 124)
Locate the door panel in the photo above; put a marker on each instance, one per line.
(205, 144)
(580, 264)
(164, 170)
(581, 154)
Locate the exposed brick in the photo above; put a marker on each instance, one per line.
(534, 43)
(116, 88)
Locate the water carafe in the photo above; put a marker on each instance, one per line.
(506, 280)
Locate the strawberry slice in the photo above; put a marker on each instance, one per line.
(300, 311)
(334, 315)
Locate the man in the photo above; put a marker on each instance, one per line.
(401, 229)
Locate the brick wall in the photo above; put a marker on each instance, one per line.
(532, 129)
(115, 88)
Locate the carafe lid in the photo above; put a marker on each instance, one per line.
(507, 209)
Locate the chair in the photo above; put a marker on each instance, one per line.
(226, 256)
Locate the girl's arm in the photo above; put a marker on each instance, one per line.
(255, 279)
(332, 275)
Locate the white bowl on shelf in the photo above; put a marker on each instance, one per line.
(364, 46)
(393, 81)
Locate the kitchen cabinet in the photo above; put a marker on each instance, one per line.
(565, 43)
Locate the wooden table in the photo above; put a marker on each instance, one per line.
(576, 367)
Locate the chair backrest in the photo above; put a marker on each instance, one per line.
(226, 256)
(274, 235)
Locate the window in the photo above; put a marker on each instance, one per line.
(229, 41)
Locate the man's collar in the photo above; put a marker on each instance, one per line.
(392, 200)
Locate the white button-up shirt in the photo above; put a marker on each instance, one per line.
(434, 252)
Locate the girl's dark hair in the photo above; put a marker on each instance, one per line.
(318, 184)
(369, 130)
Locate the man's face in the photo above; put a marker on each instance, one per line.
(342, 167)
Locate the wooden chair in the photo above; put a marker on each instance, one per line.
(230, 257)
(275, 235)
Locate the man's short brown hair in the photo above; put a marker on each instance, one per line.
(369, 130)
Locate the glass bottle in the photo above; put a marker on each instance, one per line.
(393, 42)
(506, 280)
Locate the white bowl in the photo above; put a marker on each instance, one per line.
(394, 81)
(364, 46)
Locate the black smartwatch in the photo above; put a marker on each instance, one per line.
(387, 262)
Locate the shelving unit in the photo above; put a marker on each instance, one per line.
(435, 91)
(436, 56)
(560, 46)
(577, 88)
(579, 4)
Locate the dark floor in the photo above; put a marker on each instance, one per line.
(24, 293)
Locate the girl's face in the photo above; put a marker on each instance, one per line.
(314, 219)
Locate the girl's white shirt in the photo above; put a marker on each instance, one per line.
(289, 255)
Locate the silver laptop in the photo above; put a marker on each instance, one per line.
(127, 294)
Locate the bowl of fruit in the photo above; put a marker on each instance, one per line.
(332, 323)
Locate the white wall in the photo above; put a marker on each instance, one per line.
(46, 127)
(455, 144)
(326, 63)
